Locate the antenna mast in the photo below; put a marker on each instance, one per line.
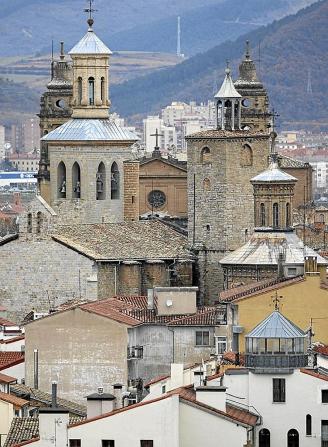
(179, 38)
(309, 83)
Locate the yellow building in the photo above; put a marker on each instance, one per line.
(303, 300)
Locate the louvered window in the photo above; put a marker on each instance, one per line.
(279, 390)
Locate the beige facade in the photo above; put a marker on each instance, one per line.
(79, 350)
(158, 174)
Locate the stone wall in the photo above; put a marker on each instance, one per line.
(303, 185)
(131, 190)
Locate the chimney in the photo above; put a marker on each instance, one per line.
(117, 391)
(310, 264)
(100, 403)
(213, 396)
(176, 375)
(54, 394)
(36, 369)
(150, 299)
(281, 261)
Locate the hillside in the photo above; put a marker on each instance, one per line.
(28, 26)
(290, 49)
(16, 100)
(204, 27)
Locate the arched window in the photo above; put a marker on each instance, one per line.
(246, 156)
(288, 220)
(308, 425)
(206, 184)
(262, 215)
(101, 182)
(61, 180)
(292, 438)
(91, 91)
(29, 223)
(115, 182)
(79, 90)
(321, 218)
(76, 181)
(264, 438)
(205, 155)
(275, 215)
(102, 90)
(38, 222)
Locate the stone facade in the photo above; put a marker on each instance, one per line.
(131, 190)
(220, 197)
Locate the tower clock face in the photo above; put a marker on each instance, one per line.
(156, 198)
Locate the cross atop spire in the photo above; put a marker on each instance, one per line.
(157, 135)
(248, 51)
(276, 300)
(90, 10)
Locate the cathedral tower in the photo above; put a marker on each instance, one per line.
(55, 110)
(89, 154)
(221, 163)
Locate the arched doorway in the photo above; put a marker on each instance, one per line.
(264, 438)
(292, 438)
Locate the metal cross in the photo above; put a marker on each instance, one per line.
(156, 134)
(276, 301)
(90, 10)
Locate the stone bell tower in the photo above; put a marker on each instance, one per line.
(89, 155)
(221, 163)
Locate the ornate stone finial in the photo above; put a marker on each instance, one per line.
(62, 54)
(90, 10)
(248, 52)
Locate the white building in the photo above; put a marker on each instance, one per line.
(320, 173)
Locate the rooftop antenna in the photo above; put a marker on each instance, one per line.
(89, 11)
(179, 39)
(309, 83)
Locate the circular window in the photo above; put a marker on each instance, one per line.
(246, 102)
(156, 198)
(61, 104)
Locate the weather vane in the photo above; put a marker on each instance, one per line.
(90, 10)
(276, 301)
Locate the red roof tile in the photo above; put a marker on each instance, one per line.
(255, 288)
(26, 442)
(207, 316)
(315, 374)
(321, 349)
(5, 322)
(7, 379)
(13, 339)
(12, 399)
(156, 380)
(10, 358)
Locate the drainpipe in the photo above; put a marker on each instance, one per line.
(36, 369)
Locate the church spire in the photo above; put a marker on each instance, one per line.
(247, 68)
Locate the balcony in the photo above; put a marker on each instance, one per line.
(134, 352)
(276, 361)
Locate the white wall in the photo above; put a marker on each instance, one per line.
(17, 371)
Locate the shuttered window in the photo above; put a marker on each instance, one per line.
(279, 390)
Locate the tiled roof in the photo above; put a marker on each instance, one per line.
(12, 339)
(232, 357)
(314, 374)
(208, 316)
(7, 379)
(25, 430)
(256, 287)
(10, 358)
(111, 308)
(45, 399)
(5, 322)
(142, 240)
(276, 325)
(186, 394)
(12, 399)
(288, 162)
(321, 349)
(214, 133)
(263, 248)
(156, 380)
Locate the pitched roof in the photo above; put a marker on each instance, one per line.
(90, 44)
(45, 399)
(90, 130)
(111, 308)
(288, 162)
(8, 341)
(321, 349)
(7, 379)
(276, 325)
(10, 358)
(315, 374)
(263, 248)
(273, 174)
(227, 89)
(256, 287)
(12, 399)
(208, 316)
(223, 134)
(5, 322)
(141, 240)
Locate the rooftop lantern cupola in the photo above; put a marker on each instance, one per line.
(273, 195)
(276, 343)
(228, 104)
(90, 75)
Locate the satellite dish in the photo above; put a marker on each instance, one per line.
(169, 303)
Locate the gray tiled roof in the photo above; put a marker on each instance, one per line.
(276, 326)
(227, 89)
(90, 44)
(141, 240)
(263, 249)
(288, 162)
(90, 130)
(273, 174)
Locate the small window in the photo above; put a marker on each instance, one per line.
(147, 443)
(102, 90)
(279, 393)
(107, 443)
(115, 181)
(29, 223)
(262, 215)
(91, 92)
(264, 438)
(79, 90)
(39, 222)
(288, 215)
(205, 155)
(324, 396)
(206, 184)
(292, 271)
(221, 345)
(75, 443)
(308, 425)
(208, 228)
(163, 389)
(324, 433)
(275, 215)
(202, 338)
